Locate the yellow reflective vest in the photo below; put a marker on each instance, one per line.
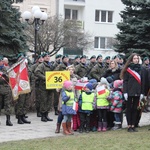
(87, 101)
(71, 100)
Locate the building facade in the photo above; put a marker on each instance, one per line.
(99, 18)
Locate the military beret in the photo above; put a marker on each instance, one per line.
(93, 56)
(145, 58)
(64, 56)
(83, 56)
(77, 56)
(39, 56)
(1, 58)
(99, 56)
(58, 56)
(44, 54)
(20, 55)
(108, 57)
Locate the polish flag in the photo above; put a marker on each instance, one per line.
(80, 85)
(101, 90)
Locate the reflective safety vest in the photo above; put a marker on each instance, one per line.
(87, 101)
(71, 100)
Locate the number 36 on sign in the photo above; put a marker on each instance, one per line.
(55, 79)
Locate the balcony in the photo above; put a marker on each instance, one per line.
(80, 3)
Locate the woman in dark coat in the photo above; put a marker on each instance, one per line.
(133, 88)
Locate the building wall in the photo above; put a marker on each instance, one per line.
(86, 11)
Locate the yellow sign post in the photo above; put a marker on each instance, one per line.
(55, 79)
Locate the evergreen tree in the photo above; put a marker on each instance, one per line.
(12, 38)
(134, 35)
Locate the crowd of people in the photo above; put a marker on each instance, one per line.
(112, 86)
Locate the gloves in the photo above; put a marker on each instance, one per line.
(141, 97)
(125, 96)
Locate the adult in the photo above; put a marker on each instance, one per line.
(133, 88)
(45, 94)
(76, 60)
(5, 92)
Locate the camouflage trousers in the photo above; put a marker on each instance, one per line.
(5, 98)
(22, 104)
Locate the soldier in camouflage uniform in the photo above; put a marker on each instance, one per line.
(107, 62)
(22, 104)
(36, 85)
(98, 70)
(5, 92)
(82, 69)
(45, 95)
(57, 60)
(76, 60)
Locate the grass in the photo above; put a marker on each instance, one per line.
(110, 140)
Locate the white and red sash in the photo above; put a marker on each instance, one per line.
(101, 90)
(135, 75)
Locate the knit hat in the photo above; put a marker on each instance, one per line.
(99, 56)
(89, 86)
(94, 82)
(118, 84)
(67, 84)
(93, 57)
(104, 81)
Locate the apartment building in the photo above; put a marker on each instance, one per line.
(99, 18)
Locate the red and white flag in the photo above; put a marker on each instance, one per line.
(101, 90)
(18, 79)
(80, 85)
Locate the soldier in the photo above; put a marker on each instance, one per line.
(5, 92)
(76, 60)
(57, 60)
(22, 105)
(98, 70)
(107, 61)
(82, 69)
(45, 95)
(35, 91)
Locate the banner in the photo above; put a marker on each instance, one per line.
(18, 79)
(55, 79)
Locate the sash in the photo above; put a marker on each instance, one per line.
(135, 75)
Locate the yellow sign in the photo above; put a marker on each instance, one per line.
(55, 79)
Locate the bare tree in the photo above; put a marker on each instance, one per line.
(57, 33)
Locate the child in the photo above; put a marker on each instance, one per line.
(116, 98)
(68, 99)
(102, 104)
(86, 100)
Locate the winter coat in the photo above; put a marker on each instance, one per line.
(131, 85)
(97, 71)
(61, 67)
(116, 101)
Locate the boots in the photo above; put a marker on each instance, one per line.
(58, 128)
(100, 126)
(47, 117)
(24, 119)
(39, 114)
(19, 119)
(69, 128)
(117, 126)
(56, 111)
(65, 131)
(8, 122)
(104, 126)
(43, 118)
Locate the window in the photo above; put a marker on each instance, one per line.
(103, 16)
(104, 42)
(71, 14)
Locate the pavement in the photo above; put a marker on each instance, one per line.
(39, 129)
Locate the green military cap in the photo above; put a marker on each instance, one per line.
(39, 56)
(107, 57)
(1, 58)
(145, 58)
(77, 56)
(58, 56)
(99, 56)
(64, 56)
(83, 56)
(44, 54)
(93, 56)
(20, 55)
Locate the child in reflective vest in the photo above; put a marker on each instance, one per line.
(86, 100)
(68, 99)
(102, 105)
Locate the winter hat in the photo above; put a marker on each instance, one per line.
(118, 84)
(94, 82)
(104, 81)
(67, 84)
(89, 86)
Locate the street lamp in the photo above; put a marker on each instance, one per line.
(38, 19)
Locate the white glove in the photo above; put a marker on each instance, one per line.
(125, 96)
(141, 96)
